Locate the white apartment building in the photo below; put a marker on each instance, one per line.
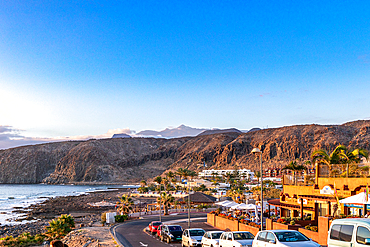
(210, 173)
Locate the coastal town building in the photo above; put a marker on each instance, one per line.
(317, 195)
(244, 173)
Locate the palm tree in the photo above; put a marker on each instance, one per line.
(350, 156)
(294, 167)
(166, 200)
(170, 175)
(192, 174)
(142, 183)
(237, 195)
(229, 177)
(180, 172)
(158, 180)
(125, 205)
(60, 227)
(340, 155)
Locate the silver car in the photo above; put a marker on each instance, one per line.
(282, 238)
(211, 239)
(236, 239)
(192, 237)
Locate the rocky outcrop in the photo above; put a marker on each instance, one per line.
(133, 159)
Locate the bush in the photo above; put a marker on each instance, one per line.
(60, 227)
(314, 228)
(292, 222)
(103, 218)
(25, 239)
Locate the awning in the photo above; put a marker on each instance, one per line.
(277, 203)
(357, 199)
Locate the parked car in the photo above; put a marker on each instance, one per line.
(192, 237)
(353, 232)
(211, 238)
(236, 239)
(171, 233)
(282, 238)
(159, 231)
(153, 226)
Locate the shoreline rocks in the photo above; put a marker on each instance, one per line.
(77, 206)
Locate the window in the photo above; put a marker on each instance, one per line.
(261, 236)
(291, 236)
(362, 234)
(346, 233)
(243, 235)
(230, 236)
(216, 235)
(334, 234)
(270, 237)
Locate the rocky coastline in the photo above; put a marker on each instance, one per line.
(38, 215)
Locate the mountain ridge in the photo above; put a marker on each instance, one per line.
(119, 160)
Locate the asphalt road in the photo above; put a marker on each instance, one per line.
(132, 234)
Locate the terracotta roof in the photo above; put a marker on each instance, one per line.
(198, 197)
(321, 198)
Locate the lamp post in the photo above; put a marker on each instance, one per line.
(258, 151)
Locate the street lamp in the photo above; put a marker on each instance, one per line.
(258, 151)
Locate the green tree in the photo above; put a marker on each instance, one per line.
(166, 200)
(142, 183)
(124, 206)
(294, 167)
(340, 155)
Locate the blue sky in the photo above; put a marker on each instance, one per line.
(86, 68)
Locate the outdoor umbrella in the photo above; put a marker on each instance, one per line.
(222, 203)
(357, 199)
(230, 204)
(239, 206)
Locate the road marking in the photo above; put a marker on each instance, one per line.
(143, 244)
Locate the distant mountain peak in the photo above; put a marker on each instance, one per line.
(180, 131)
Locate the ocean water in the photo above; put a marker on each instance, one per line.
(23, 195)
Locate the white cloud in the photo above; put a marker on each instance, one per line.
(11, 137)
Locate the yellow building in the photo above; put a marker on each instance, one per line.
(316, 195)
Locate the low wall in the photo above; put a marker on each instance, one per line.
(310, 234)
(269, 225)
(223, 223)
(232, 225)
(251, 229)
(278, 226)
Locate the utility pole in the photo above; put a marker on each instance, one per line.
(189, 206)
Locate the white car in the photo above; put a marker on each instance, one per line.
(211, 238)
(282, 238)
(192, 237)
(236, 239)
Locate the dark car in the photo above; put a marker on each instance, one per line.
(171, 233)
(153, 226)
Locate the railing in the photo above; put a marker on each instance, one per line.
(299, 180)
(344, 170)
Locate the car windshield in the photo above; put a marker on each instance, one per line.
(175, 228)
(216, 235)
(290, 236)
(243, 235)
(196, 232)
(157, 223)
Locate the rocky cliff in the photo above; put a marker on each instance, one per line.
(133, 159)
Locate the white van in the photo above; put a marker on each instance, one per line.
(351, 232)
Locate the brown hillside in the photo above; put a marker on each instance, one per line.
(120, 160)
